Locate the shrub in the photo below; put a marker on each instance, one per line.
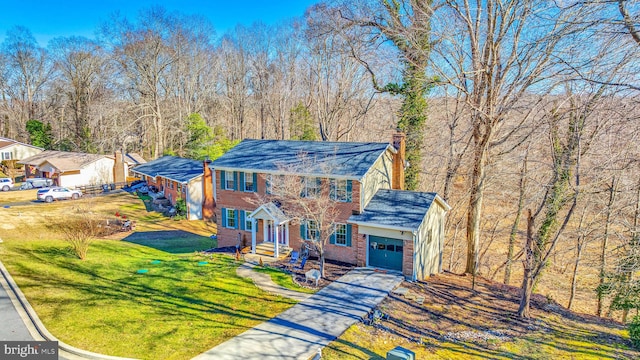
(79, 232)
(181, 210)
(634, 331)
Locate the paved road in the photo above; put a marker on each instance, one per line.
(13, 328)
(299, 332)
(12, 324)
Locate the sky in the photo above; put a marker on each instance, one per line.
(48, 19)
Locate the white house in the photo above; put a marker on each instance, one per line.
(70, 169)
(15, 150)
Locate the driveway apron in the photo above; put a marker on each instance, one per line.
(299, 332)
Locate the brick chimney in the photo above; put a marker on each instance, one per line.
(119, 168)
(207, 192)
(398, 141)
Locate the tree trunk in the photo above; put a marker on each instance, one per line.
(574, 276)
(527, 283)
(475, 210)
(603, 246)
(516, 222)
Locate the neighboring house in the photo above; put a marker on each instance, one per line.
(177, 178)
(15, 150)
(70, 169)
(379, 225)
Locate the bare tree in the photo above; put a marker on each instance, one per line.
(563, 187)
(144, 56)
(235, 83)
(308, 200)
(81, 64)
(501, 56)
(339, 88)
(28, 69)
(406, 24)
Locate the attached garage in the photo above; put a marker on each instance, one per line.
(404, 232)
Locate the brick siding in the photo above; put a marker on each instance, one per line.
(249, 201)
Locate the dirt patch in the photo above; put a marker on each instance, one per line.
(444, 308)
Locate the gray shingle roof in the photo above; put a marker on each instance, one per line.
(63, 160)
(349, 159)
(172, 167)
(396, 208)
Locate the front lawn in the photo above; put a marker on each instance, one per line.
(176, 310)
(183, 305)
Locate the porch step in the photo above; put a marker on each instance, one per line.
(266, 249)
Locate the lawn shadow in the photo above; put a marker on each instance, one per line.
(171, 241)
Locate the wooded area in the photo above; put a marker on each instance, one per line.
(521, 114)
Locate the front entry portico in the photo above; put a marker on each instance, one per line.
(275, 227)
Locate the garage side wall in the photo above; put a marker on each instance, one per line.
(429, 243)
(194, 199)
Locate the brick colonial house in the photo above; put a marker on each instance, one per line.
(379, 224)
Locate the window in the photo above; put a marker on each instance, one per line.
(230, 218)
(7, 155)
(311, 187)
(228, 180)
(313, 233)
(248, 182)
(340, 190)
(341, 234)
(274, 182)
(247, 221)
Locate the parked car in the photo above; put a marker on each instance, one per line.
(6, 184)
(36, 183)
(57, 193)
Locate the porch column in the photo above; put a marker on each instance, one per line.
(265, 225)
(276, 246)
(286, 234)
(254, 224)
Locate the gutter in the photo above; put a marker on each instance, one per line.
(383, 226)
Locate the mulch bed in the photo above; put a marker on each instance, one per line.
(332, 271)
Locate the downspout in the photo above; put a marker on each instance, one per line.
(414, 276)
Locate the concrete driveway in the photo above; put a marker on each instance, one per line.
(299, 332)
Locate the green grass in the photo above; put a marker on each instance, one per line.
(283, 279)
(175, 311)
(172, 241)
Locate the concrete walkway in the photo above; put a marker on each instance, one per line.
(264, 282)
(310, 325)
